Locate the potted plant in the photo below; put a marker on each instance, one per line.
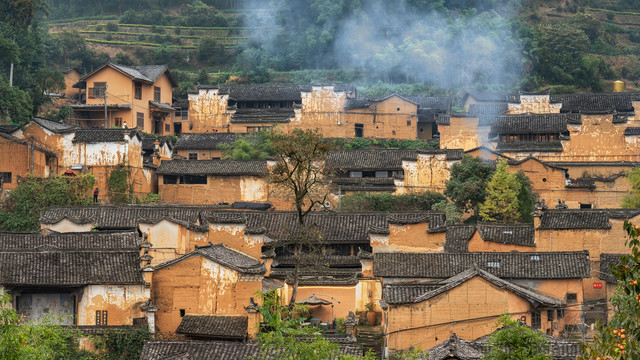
(372, 316)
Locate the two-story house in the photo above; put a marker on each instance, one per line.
(127, 96)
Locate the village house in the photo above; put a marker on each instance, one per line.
(429, 296)
(72, 76)
(335, 110)
(127, 96)
(204, 146)
(85, 279)
(23, 157)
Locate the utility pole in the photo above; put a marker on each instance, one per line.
(105, 106)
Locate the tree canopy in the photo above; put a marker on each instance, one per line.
(515, 341)
(468, 182)
(502, 202)
(632, 200)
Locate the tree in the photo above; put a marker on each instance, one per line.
(15, 104)
(620, 338)
(21, 210)
(526, 198)
(43, 339)
(251, 146)
(515, 341)
(502, 203)
(632, 200)
(468, 182)
(299, 172)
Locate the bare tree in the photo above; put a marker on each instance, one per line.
(300, 173)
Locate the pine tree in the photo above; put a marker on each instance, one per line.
(501, 203)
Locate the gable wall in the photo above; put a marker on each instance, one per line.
(477, 244)
(122, 303)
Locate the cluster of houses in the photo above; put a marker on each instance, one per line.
(190, 267)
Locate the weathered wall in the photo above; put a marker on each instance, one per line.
(17, 160)
(536, 104)
(37, 306)
(168, 238)
(429, 173)
(202, 154)
(122, 303)
(462, 133)
(66, 225)
(217, 190)
(207, 112)
(408, 238)
(70, 78)
(434, 320)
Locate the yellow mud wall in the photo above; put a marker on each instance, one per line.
(66, 226)
(169, 240)
(408, 238)
(16, 160)
(218, 189)
(70, 79)
(476, 298)
(122, 303)
(233, 236)
(461, 133)
(207, 112)
(558, 289)
(202, 154)
(536, 104)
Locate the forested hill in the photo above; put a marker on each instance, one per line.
(412, 47)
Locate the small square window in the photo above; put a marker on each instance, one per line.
(586, 206)
(5, 177)
(408, 122)
(560, 313)
(572, 298)
(549, 315)
(167, 127)
(193, 156)
(182, 312)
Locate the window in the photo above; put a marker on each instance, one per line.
(549, 315)
(536, 320)
(193, 156)
(182, 312)
(98, 91)
(137, 91)
(493, 264)
(140, 120)
(170, 179)
(572, 298)
(408, 122)
(194, 179)
(560, 313)
(355, 174)
(382, 173)
(359, 130)
(5, 177)
(167, 127)
(586, 206)
(101, 317)
(156, 94)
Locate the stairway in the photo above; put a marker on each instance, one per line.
(370, 338)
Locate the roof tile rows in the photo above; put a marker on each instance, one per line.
(214, 326)
(572, 219)
(103, 135)
(269, 116)
(621, 102)
(538, 265)
(208, 141)
(458, 236)
(216, 167)
(100, 241)
(222, 255)
(533, 123)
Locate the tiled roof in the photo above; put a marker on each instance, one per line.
(41, 241)
(208, 141)
(491, 96)
(218, 350)
(356, 103)
(511, 234)
(271, 284)
(632, 130)
(215, 167)
(457, 238)
(261, 92)
(405, 293)
(54, 126)
(488, 109)
(214, 326)
(148, 73)
(365, 184)
(100, 107)
(432, 102)
(8, 129)
(451, 154)
(533, 123)
(456, 280)
(161, 106)
(575, 219)
(149, 141)
(513, 265)
(370, 159)
(454, 348)
(222, 255)
(48, 267)
(620, 102)
(326, 260)
(606, 262)
(268, 116)
(530, 146)
(103, 135)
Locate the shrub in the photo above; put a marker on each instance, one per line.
(389, 202)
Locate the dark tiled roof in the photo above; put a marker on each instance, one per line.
(102, 135)
(222, 255)
(161, 106)
(365, 184)
(149, 141)
(214, 167)
(574, 219)
(432, 102)
(512, 234)
(606, 262)
(326, 260)
(406, 293)
(454, 348)
(271, 284)
(488, 109)
(148, 73)
(530, 146)
(214, 326)
(262, 92)
(371, 159)
(268, 116)
(69, 267)
(457, 238)
(54, 126)
(356, 103)
(21, 241)
(8, 129)
(203, 141)
(491, 96)
(513, 265)
(451, 154)
(218, 350)
(533, 123)
(100, 107)
(632, 131)
(620, 102)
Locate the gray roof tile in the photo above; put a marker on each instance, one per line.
(103, 135)
(208, 141)
(222, 255)
(214, 326)
(215, 167)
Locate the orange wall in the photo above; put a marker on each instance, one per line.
(217, 190)
(477, 244)
(16, 159)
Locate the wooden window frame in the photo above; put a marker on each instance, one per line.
(140, 120)
(137, 90)
(157, 94)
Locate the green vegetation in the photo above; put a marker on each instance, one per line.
(514, 341)
(21, 210)
(389, 202)
(124, 344)
(504, 193)
(467, 186)
(620, 338)
(632, 201)
(368, 143)
(249, 147)
(120, 185)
